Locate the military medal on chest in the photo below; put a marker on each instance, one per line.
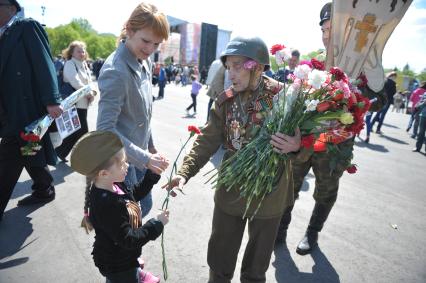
(236, 126)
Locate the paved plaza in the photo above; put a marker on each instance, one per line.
(375, 233)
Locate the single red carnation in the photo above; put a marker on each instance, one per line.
(307, 141)
(276, 47)
(194, 130)
(337, 74)
(33, 138)
(317, 64)
(338, 95)
(351, 169)
(323, 106)
(24, 136)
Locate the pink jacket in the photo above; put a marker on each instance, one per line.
(416, 95)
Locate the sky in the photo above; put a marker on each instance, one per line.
(293, 23)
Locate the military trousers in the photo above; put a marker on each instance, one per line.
(225, 242)
(326, 180)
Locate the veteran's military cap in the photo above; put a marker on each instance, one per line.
(325, 13)
(254, 48)
(94, 149)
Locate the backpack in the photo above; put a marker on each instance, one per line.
(65, 88)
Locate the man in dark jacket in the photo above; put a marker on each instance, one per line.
(390, 90)
(28, 91)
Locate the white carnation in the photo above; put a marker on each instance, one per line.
(316, 78)
(286, 53)
(282, 56)
(311, 105)
(279, 58)
(302, 71)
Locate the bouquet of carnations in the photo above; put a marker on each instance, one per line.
(36, 130)
(324, 105)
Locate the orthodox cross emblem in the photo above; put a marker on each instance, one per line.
(365, 27)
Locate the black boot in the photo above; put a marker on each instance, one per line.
(310, 240)
(282, 229)
(38, 197)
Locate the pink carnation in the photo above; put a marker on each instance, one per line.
(306, 62)
(250, 65)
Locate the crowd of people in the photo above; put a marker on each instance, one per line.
(121, 162)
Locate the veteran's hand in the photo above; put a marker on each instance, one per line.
(54, 110)
(284, 144)
(176, 183)
(158, 163)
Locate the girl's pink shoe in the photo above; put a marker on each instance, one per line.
(147, 277)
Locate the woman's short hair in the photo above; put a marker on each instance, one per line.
(67, 53)
(147, 16)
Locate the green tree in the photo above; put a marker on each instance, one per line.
(407, 71)
(60, 37)
(98, 45)
(422, 76)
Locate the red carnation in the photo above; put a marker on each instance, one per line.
(24, 136)
(317, 64)
(338, 95)
(351, 169)
(194, 130)
(323, 106)
(29, 137)
(276, 47)
(337, 74)
(33, 138)
(307, 141)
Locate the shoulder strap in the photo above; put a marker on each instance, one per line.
(224, 96)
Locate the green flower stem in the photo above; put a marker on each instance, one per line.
(166, 204)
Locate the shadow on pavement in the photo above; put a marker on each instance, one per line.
(190, 116)
(393, 139)
(23, 188)
(15, 228)
(286, 270)
(390, 126)
(372, 146)
(61, 170)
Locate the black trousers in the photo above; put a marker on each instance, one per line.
(128, 276)
(64, 149)
(11, 165)
(194, 102)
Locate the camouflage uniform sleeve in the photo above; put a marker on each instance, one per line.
(206, 144)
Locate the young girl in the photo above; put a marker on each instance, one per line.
(195, 89)
(113, 209)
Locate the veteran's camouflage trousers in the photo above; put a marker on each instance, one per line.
(326, 180)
